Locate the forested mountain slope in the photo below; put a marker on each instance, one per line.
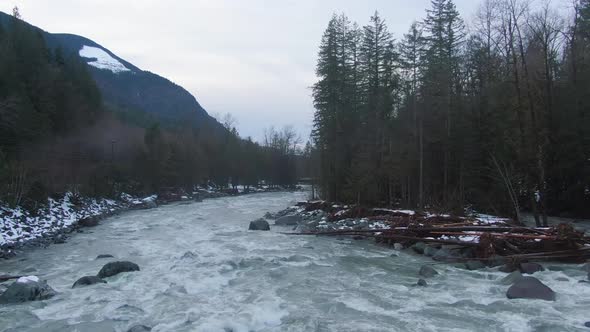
(76, 118)
(126, 88)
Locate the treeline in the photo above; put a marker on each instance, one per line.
(495, 117)
(56, 135)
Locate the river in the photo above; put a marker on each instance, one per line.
(201, 270)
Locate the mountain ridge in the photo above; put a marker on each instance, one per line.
(135, 90)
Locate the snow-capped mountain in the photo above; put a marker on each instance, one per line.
(128, 89)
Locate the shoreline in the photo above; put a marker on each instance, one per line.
(59, 219)
(473, 242)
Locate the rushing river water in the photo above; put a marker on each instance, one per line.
(201, 270)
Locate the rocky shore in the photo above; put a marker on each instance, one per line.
(60, 217)
(322, 218)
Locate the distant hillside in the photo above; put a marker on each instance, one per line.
(126, 88)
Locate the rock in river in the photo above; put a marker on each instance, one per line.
(511, 278)
(139, 328)
(474, 265)
(422, 283)
(114, 268)
(89, 221)
(427, 271)
(419, 247)
(104, 256)
(530, 288)
(88, 280)
(27, 289)
(259, 225)
(288, 220)
(530, 268)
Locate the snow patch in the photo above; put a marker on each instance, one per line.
(489, 219)
(103, 59)
(27, 279)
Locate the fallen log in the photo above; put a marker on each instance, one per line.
(500, 235)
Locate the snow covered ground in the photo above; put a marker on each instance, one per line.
(337, 220)
(103, 59)
(18, 225)
(53, 219)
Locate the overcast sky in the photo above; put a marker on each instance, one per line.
(254, 59)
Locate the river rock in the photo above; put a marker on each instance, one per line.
(89, 221)
(530, 268)
(60, 239)
(139, 328)
(422, 283)
(398, 246)
(114, 268)
(562, 279)
(104, 256)
(495, 260)
(508, 268)
(587, 324)
(288, 220)
(259, 225)
(87, 281)
(530, 288)
(419, 247)
(430, 251)
(27, 289)
(511, 278)
(427, 271)
(474, 265)
(556, 268)
(445, 254)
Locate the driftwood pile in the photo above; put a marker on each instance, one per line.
(489, 241)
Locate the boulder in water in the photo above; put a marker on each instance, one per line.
(511, 278)
(398, 246)
(422, 283)
(289, 220)
(445, 253)
(419, 247)
(474, 265)
(587, 324)
(259, 225)
(60, 239)
(530, 268)
(89, 221)
(430, 251)
(114, 268)
(139, 328)
(530, 288)
(427, 271)
(26, 289)
(508, 268)
(87, 281)
(104, 256)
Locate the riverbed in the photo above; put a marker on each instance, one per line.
(201, 270)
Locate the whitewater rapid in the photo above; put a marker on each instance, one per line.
(201, 270)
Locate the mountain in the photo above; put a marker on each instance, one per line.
(126, 88)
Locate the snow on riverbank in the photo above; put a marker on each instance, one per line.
(322, 216)
(53, 220)
(18, 225)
